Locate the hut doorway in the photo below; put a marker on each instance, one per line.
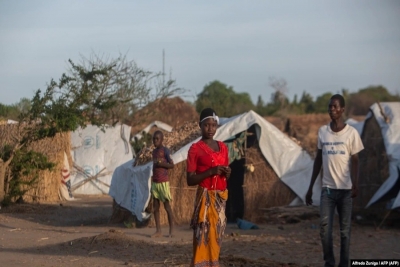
(235, 204)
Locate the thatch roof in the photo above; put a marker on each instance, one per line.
(174, 140)
(173, 111)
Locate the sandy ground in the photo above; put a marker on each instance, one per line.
(77, 234)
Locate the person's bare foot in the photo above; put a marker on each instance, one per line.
(156, 234)
(171, 233)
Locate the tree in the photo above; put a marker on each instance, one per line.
(294, 100)
(360, 102)
(280, 87)
(132, 87)
(9, 111)
(307, 103)
(94, 92)
(261, 106)
(223, 99)
(260, 102)
(322, 102)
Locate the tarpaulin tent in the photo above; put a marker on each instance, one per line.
(130, 185)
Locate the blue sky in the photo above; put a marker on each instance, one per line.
(316, 46)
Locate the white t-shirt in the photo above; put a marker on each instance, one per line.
(337, 149)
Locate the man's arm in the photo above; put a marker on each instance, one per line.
(316, 169)
(354, 175)
(167, 165)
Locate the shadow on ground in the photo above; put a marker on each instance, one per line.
(84, 211)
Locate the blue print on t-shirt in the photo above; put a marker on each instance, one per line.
(333, 151)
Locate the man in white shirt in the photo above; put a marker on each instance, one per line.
(338, 147)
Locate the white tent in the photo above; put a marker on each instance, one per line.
(358, 125)
(130, 185)
(95, 156)
(388, 118)
(159, 124)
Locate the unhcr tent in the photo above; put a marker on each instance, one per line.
(130, 185)
(95, 155)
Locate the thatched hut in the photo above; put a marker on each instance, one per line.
(379, 161)
(249, 190)
(173, 111)
(272, 171)
(374, 166)
(47, 187)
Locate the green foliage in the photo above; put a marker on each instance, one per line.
(359, 103)
(321, 103)
(95, 91)
(146, 140)
(223, 99)
(24, 172)
(307, 103)
(13, 111)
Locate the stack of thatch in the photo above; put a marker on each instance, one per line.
(172, 111)
(174, 140)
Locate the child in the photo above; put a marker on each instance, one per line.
(160, 182)
(208, 167)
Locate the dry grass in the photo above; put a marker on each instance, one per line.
(47, 188)
(173, 111)
(262, 188)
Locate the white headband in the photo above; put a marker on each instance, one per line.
(215, 117)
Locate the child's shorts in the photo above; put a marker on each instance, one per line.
(161, 191)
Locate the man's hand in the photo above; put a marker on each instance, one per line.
(309, 198)
(354, 191)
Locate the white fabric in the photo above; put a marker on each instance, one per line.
(215, 117)
(158, 124)
(337, 149)
(65, 192)
(358, 125)
(130, 187)
(391, 136)
(96, 151)
(290, 162)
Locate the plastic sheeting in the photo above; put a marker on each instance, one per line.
(95, 152)
(65, 187)
(290, 162)
(391, 135)
(158, 124)
(358, 125)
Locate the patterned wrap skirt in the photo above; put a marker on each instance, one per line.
(208, 224)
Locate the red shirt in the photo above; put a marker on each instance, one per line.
(201, 158)
(160, 174)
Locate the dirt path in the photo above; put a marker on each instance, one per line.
(77, 234)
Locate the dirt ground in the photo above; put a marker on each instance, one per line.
(78, 234)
